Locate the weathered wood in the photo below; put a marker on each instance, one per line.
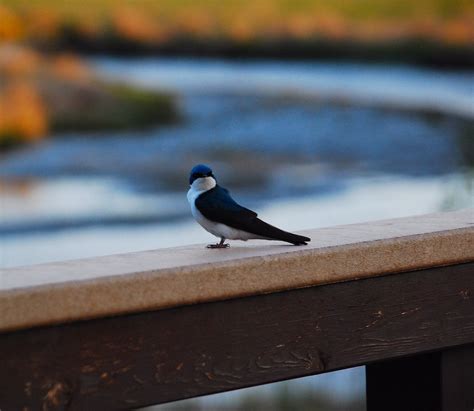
(155, 357)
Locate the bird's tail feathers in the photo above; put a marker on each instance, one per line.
(273, 233)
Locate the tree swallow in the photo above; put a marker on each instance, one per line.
(216, 211)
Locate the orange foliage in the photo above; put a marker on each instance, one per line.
(11, 27)
(69, 67)
(135, 25)
(301, 26)
(28, 81)
(456, 32)
(43, 23)
(153, 22)
(195, 22)
(18, 61)
(334, 27)
(22, 112)
(241, 30)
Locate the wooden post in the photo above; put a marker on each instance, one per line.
(439, 381)
(457, 378)
(409, 384)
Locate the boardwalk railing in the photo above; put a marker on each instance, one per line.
(131, 330)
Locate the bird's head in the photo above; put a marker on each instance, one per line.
(201, 177)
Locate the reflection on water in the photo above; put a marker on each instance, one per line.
(306, 145)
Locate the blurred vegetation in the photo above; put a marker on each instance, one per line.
(43, 93)
(425, 31)
(40, 94)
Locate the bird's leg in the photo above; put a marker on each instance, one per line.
(222, 244)
(219, 245)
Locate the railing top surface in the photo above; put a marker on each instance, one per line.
(118, 284)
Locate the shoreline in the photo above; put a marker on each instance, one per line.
(411, 51)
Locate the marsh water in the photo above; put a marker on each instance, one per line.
(305, 144)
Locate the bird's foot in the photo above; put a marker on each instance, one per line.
(218, 245)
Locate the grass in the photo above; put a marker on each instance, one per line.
(122, 107)
(232, 25)
(348, 8)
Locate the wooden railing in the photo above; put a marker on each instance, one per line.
(131, 330)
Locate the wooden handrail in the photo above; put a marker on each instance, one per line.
(396, 296)
(120, 284)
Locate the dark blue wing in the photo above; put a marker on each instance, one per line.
(217, 205)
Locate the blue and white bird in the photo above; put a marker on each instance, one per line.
(216, 211)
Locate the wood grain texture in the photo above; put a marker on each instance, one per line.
(155, 357)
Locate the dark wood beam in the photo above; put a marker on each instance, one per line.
(154, 357)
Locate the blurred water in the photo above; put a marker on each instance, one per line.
(306, 144)
(400, 86)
